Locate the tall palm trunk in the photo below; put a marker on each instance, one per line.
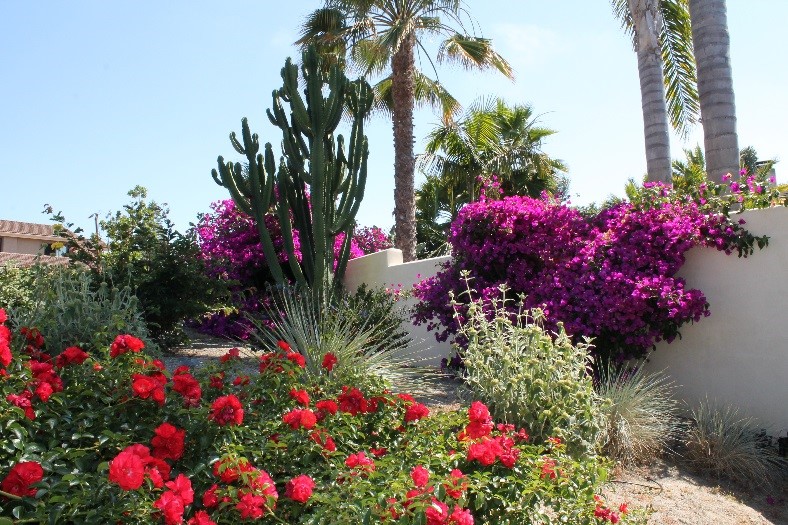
(402, 92)
(715, 87)
(646, 19)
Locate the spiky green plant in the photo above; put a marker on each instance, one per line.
(316, 326)
(639, 414)
(725, 444)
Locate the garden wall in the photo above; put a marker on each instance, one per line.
(738, 355)
(386, 269)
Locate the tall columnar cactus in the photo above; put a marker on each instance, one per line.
(319, 182)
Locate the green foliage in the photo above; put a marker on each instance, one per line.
(16, 285)
(367, 346)
(69, 307)
(319, 183)
(640, 414)
(527, 376)
(162, 266)
(492, 142)
(723, 443)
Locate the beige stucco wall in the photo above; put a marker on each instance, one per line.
(386, 269)
(21, 245)
(739, 354)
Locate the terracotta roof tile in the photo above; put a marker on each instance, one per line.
(26, 228)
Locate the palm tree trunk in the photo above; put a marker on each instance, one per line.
(715, 87)
(402, 92)
(646, 19)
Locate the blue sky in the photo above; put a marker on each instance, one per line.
(100, 96)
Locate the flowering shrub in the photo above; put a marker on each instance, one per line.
(232, 252)
(611, 277)
(216, 449)
(372, 239)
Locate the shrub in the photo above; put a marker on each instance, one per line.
(640, 414)
(68, 307)
(611, 277)
(232, 253)
(145, 252)
(527, 376)
(115, 437)
(721, 442)
(371, 239)
(16, 284)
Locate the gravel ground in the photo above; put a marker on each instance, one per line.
(661, 494)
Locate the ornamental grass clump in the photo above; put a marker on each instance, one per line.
(528, 376)
(640, 414)
(725, 444)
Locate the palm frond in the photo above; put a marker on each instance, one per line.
(678, 63)
(428, 92)
(473, 53)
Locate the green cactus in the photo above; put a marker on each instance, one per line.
(315, 168)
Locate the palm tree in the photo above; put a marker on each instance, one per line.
(491, 139)
(661, 36)
(382, 37)
(715, 86)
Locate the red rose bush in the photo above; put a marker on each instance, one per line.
(109, 435)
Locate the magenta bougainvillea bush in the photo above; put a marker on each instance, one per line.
(611, 276)
(231, 249)
(110, 435)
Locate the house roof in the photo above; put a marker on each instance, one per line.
(28, 230)
(23, 259)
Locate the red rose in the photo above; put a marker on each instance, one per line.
(171, 506)
(360, 462)
(300, 418)
(232, 353)
(71, 356)
(329, 360)
(200, 518)
(283, 346)
(182, 487)
(19, 480)
(168, 442)
(127, 470)
(420, 476)
(485, 452)
(157, 470)
(323, 439)
(415, 412)
(300, 396)
(326, 407)
(295, 357)
(461, 516)
(227, 410)
(299, 488)
(23, 401)
(187, 386)
(149, 386)
(3, 316)
(125, 343)
(478, 411)
(437, 513)
(209, 497)
(457, 484)
(352, 401)
(250, 506)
